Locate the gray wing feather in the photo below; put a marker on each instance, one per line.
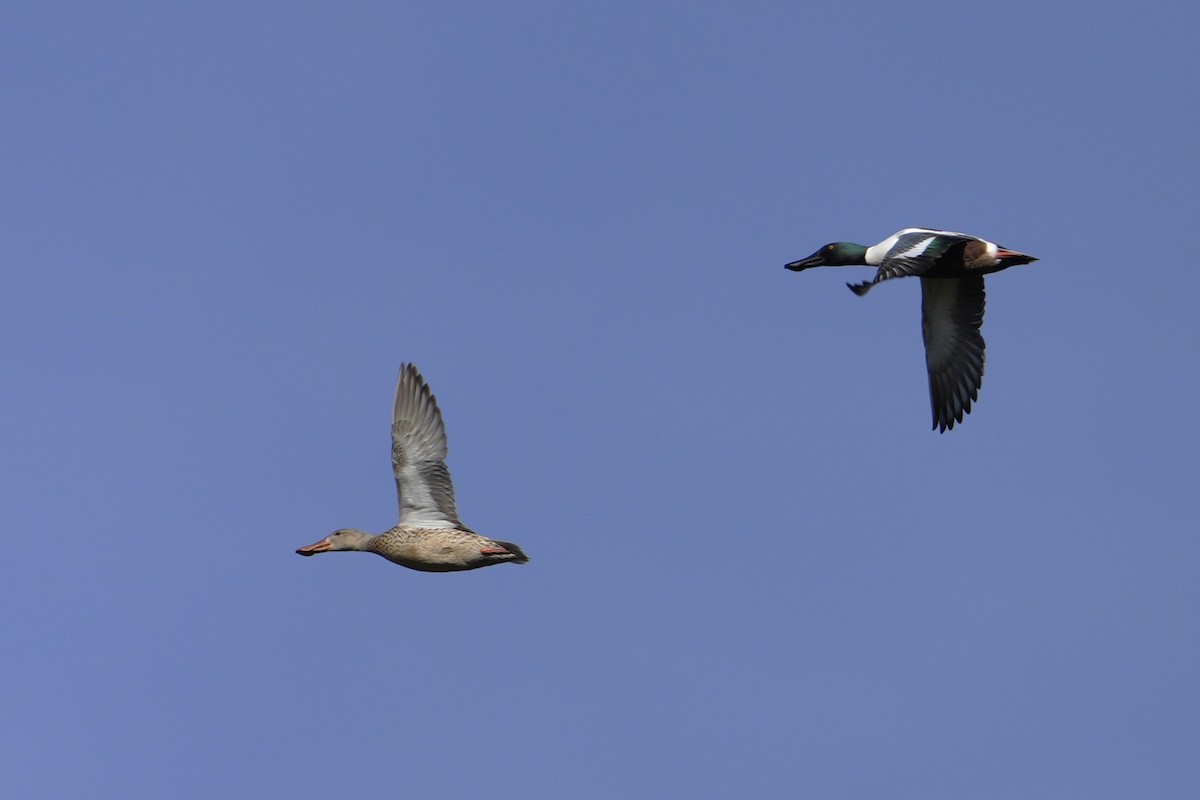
(951, 316)
(423, 484)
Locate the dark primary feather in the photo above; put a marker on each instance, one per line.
(951, 316)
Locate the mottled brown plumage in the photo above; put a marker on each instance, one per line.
(429, 537)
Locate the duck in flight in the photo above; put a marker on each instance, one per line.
(951, 267)
(429, 537)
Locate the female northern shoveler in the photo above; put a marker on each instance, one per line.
(429, 537)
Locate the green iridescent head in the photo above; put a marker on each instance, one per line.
(835, 254)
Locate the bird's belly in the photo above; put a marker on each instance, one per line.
(431, 551)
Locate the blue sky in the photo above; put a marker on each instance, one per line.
(755, 571)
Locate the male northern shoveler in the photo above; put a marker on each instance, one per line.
(429, 537)
(951, 267)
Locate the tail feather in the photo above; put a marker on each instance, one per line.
(521, 558)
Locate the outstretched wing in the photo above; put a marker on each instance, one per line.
(951, 315)
(419, 455)
(916, 251)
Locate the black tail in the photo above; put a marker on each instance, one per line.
(521, 558)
